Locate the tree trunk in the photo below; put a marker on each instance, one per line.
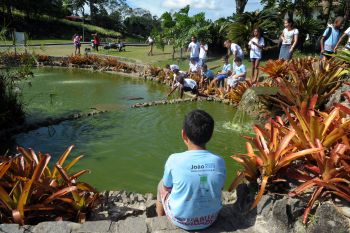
(92, 11)
(240, 5)
(346, 10)
(326, 9)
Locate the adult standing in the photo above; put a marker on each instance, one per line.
(235, 49)
(203, 53)
(256, 44)
(194, 49)
(150, 42)
(96, 41)
(289, 38)
(77, 44)
(330, 37)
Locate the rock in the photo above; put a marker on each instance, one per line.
(94, 227)
(55, 227)
(151, 209)
(328, 219)
(265, 206)
(281, 215)
(11, 228)
(345, 210)
(132, 224)
(161, 224)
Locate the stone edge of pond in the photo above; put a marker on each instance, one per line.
(29, 126)
(123, 212)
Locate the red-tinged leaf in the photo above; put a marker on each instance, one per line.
(334, 113)
(261, 192)
(284, 143)
(4, 166)
(76, 175)
(35, 158)
(62, 159)
(236, 181)
(5, 199)
(293, 156)
(312, 200)
(313, 169)
(73, 162)
(23, 201)
(343, 108)
(85, 187)
(26, 154)
(60, 193)
(341, 194)
(303, 187)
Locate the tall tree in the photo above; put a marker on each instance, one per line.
(240, 6)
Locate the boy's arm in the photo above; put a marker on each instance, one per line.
(171, 92)
(339, 41)
(167, 176)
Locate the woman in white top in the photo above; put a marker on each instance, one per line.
(256, 44)
(289, 39)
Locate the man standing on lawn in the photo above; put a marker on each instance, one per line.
(194, 48)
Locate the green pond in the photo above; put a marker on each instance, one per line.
(125, 148)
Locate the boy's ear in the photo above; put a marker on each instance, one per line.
(183, 135)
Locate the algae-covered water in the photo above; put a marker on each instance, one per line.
(125, 148)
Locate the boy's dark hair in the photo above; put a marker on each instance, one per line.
(198, 126)
(167, 66)
(205, 66)
(238, 59)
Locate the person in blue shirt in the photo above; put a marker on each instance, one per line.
(239, 74)
(225, 72)
(330, 38)
(207, 76)
(190, 191)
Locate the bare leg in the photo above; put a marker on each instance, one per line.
(253, 71)
(257, 62)
(159, 209)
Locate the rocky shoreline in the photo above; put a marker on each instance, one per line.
(124, 212)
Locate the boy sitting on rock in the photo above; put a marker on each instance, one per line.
(190, 191)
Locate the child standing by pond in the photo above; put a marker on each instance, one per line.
(77, 44)
(256, 44)
(289, 38)
(190, 191)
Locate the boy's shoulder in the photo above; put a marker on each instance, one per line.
(188, 155)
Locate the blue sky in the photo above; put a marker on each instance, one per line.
(213, 9)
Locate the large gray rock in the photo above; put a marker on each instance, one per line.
(55, 227)
(328, 219)
(131, 224)
(94, 227)
(12, 228)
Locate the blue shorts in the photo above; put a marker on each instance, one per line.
(196, 59)
(221, 77)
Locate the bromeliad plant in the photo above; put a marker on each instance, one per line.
(300, 79)
(310, 148)
(31, 192)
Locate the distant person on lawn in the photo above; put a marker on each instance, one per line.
(203, 53)
(150, 42)
(190, 191)
(77, 44)
(330, 38)
(289, 38)
(96, 41)
(256, 44)
(194, 49)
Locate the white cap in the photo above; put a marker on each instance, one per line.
(174, 67)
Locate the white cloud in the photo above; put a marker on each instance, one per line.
(195, 4)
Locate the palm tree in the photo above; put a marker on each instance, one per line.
(240, 30)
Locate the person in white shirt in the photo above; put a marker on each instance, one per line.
(184, 83)
(238, 74)
(194, 67)
(194, 49)
(203, 53)
(235, 49)
(289, 38)
(150, 42)
(256, 44)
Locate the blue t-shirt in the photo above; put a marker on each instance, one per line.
(226, 67)
(239, 69)
(208, 74)
(196, 178)
(332, 40)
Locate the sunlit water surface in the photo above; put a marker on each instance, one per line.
(125, 148)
